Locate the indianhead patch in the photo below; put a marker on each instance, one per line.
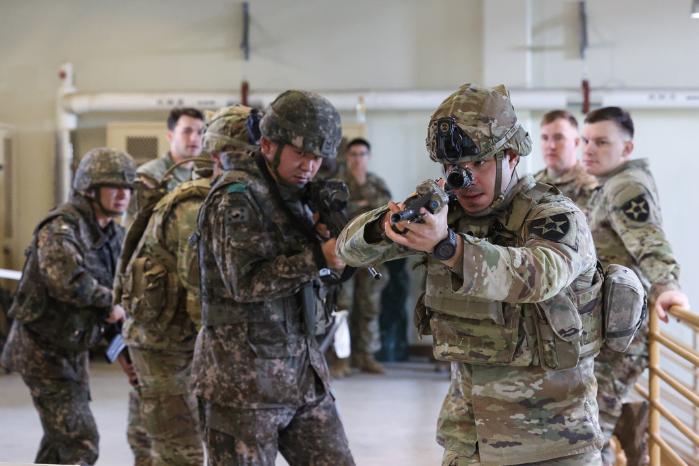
(637, 209)
(553, 228)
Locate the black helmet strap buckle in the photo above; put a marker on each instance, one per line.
(452, 143)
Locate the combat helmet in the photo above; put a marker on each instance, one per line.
(230, 132)
(104, 167)
(476, 124)
(304, 120)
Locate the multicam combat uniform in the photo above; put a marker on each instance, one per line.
(64, 297)
(152, 172)
(362, 294)
(258, 372)
(626, 225)
(576, 183)
(503, 407)
(162, 325)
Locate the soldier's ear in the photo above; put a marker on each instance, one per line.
(267, 147)
(628, 148)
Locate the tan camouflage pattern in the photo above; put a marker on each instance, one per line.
(305, 120)
(168, 317)
(167, 408)
(576, 184)
(102, 166)
(227, 134)
(136, 434)
(253, 354)
(361, 295)
(501, 406)
(626, 224)
(487, 116)
(75, 263)
(152, 172)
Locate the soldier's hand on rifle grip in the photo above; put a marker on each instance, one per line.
(332, 259)
(117, 314)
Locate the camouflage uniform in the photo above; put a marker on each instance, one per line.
(362, 294)
(626, 225)
(522, 387)
(59, 310)
(159, 289)
(576, 183)
(154, 170)
(261, 380)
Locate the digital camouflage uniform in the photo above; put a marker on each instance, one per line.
(260, 377)
(362, 294)
(60, 309)
(576, 183)
(626, 225)
(161, 295)
(522, 387)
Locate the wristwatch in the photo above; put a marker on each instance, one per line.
(445, 249)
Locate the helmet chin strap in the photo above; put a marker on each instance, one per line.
(500, 196)
(96, 198)
(276, 162)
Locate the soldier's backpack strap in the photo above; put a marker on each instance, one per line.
(523, 204)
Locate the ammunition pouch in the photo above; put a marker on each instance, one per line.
(625, 307)
(151, 290)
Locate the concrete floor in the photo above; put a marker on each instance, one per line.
(389, 419)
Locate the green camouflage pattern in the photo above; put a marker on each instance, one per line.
(503, 405)
(305, 120)
(361, 295)
(63, 299)
(104, 166)
(227, 134)
(626, 224)
(136, 434)
(487, 116)
(167, 409)
(257, 366)
(576, 184)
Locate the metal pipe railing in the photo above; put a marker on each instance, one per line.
(660, 451)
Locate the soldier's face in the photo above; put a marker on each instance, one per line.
(605, 147)
(114, 199)
(186, 138)
(358, 159)
(559, 144)
(295, 167)
(478, 197)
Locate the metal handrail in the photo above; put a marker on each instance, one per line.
(659, 448)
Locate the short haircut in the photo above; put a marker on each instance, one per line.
(176, 113)
(359, 141)
(553, 115)
(616, 114)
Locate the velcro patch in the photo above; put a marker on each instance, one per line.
(553, 228)
(237, 188)
(637, 209)
(237, 214)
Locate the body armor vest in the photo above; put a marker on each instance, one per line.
(149, 286)
(62, 324)
(284, 239)
(553, 334)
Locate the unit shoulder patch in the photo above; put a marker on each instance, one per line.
(552, 228)
(637, 209)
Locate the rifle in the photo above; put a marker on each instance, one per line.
(328, 198)
(429, 195)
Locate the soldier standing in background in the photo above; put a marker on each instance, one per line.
(361, 295)
(500, 263)
(162, 303)
(627, 228)
(260, 378)
(64, 301)
(185, 127)
(559, 143)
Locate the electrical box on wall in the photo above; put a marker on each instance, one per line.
(6, 197)
(142, 140)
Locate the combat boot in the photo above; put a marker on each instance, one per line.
(365, 362)
(339, 368)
